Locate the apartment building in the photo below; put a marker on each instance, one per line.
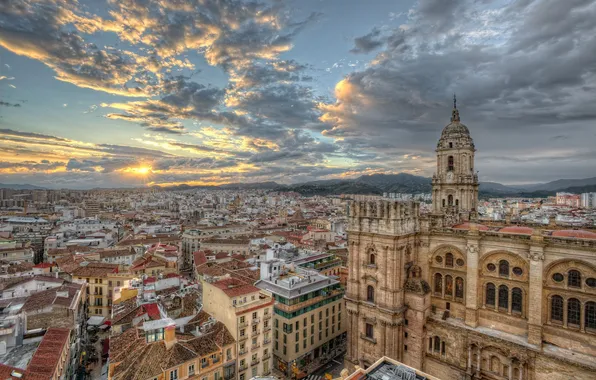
(247, 313)
(309, 316)
(101, 279)
(232, 246)
(15, 251)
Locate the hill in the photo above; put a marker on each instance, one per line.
(24, 186)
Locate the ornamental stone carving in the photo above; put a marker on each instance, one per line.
(536, 256)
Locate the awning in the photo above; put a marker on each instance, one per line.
(95, 320)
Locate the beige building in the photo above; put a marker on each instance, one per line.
(457, 299)
(13, 251)
(240, 246)
(309, 320)
(101, 279)
(247, 313)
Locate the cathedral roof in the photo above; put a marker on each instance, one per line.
(467, 226)
(580, 234)
(455, 131)
(517, 230)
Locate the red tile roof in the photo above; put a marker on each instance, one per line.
(580, 234)
(44, 362)
(234, 287)
(467, 226)
(517, 230)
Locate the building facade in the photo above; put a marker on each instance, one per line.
(247, 313)
(460, 300)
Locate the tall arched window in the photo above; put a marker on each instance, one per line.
(448, 285)
(590, 316)
(574, 279)
(490, 294)
(449, 260)
(459, 287)
(556, 309)
(573, 311)
(516, 300)
(437, 344)
(372, 259)
(370, 294)
(450, 200)
(443, 202)
(504, 268)
(503, 297)
(450, 164)
(438, 283)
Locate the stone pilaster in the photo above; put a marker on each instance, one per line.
(536, 257)
(473, 251)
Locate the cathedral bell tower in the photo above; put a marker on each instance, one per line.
(455, 184)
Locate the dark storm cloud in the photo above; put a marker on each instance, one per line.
(368, 42)
(522, 73)
(6, 104)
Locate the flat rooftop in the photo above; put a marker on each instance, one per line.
(295, 284)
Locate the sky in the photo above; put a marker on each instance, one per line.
(124, 93)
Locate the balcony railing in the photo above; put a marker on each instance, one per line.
(266, 356)
(243, 367)
(255, 346)
(267, 341)
(312, 301)
(242, 338)
(242, 324)
(254, 362)
(266, 328)
(255, 333)
(256, 321)
(266, 316)
(243, 352)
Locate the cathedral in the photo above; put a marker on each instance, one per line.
(458, 299)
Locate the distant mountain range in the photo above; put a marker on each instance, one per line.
(16, 186)
(390, 183)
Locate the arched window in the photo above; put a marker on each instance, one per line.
(516, 300)
(574, 279)
(443, 202)
(556, 308)
(573, 311)
(443, 348)
(450, 145)
(437, 344)
(457, 202)
(372, 259)
(495, 364)
(590, 318)
(471, 165)
(490, 294)
(448, 285)
(450, 200)
(459, 287)
(450, 165)
(503, 297)
(504, 268)
(370, 294)
(438, 283)
(449, 260)
(430, 344)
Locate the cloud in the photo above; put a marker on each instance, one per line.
(368, 42)
(522, 72)
(6, 104)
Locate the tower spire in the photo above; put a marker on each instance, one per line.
(454, 101)
(455, 112)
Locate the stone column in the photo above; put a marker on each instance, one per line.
(510, 368)
(536, 258)
(471, 292)
(383, 338)
(479, 360)
(521, 370)
(582, 322)
(469, 357)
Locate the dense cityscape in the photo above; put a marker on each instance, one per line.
(297, 190)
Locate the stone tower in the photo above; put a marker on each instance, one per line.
(455, 184)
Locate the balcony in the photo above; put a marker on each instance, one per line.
(266, 341)
(266, 373)
(256, 321)
(266, 328)
(255, 333)
(255, 362)
(255, 346)
(243, 352)
(243, 367)
(266, 356)
(242, 338)
(266, 316)
(242, 324)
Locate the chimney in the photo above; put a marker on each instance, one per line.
(170, 336)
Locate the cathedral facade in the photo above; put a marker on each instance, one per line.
(457, 299)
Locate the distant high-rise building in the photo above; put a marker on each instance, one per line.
(588, 200)
(91, 209)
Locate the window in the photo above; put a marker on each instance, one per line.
(450, 145)
(174, 375)
(490, 294)
(573, 311)
(297, 348)
(503, 297)
(449, 260)
(443, 348)
(450, 164)
(459, 287)
(254, 315)
(574, 279)
(242, 319)
(516, 300)
(297, 335)
(370, 294)
(191, 369)
(504, 268)
(437, 344)
(369, 331)
(450, 201)
(438, 283)
(556, 309)
(448, 285)
(430, 344)
(590, 318)
(372, 259)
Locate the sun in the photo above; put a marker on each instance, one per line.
(140, 170)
